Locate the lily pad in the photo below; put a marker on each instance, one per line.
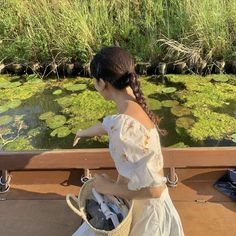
(4, 120)
(57, 92)
(220, 78)
(169, 103)
(169, 90)
(76, 87)
(68, 101)
(46, 115)
(180, 111)
(153, 104)
(56, 121)
(184, 122)
(60, 132)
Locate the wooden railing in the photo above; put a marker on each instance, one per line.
(100, 158)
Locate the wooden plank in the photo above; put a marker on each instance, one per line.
(37, 217)
(213, 219)
(100, 158)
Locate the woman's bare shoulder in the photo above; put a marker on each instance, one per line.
(135, 111)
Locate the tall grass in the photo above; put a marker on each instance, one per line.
(46, 30)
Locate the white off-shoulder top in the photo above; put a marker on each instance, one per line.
(135, 150)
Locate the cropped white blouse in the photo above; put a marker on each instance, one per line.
(135, 150)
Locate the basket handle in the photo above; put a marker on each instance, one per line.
(70, 197)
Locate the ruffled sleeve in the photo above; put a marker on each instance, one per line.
(146, 174)
(106, 124)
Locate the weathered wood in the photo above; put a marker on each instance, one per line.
(100, 158)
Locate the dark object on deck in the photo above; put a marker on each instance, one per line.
(227, 184)
(95, 216)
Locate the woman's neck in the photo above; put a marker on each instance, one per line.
(121, 98)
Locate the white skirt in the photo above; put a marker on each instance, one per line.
(156, 217)
(151, 217)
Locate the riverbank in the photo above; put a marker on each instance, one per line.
(66, 34)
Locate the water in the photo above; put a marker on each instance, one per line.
(44, 101)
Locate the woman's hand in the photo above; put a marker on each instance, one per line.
(102, 183)
(77, 137)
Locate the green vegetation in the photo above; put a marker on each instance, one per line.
(31, 116)
(59, 30)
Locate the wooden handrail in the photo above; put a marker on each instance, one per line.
(100, 158)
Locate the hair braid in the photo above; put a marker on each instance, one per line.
(135, 86)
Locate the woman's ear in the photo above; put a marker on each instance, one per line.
(102, 84)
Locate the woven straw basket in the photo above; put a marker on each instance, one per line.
(122, 229)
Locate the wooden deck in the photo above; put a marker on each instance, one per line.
(36, 203)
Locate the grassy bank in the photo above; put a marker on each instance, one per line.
(65, 30)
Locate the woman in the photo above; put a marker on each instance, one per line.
(134, 146)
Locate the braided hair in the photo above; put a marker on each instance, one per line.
(116, 66)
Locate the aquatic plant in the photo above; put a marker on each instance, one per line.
(169, 90)
(184, 122)
(169, 103)
(180, 111)
(19, 144)
(60, 132)
(76, 87)
(154, 104)
(211, 125)
(34, 132)
(21, 91)
(233, 137)
(179, 145)
(149, 88)
(4, 120)
(201, 92)
(55, 121)
(57, 92)
(87, 105)
(46, 115)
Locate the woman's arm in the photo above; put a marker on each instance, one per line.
(106, 186)
(95, 130)
(122, 190)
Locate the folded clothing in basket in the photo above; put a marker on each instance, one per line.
(227, 184)
(96, 217)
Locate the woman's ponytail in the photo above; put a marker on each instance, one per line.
(135, 86)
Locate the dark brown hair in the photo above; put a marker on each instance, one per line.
(116, 66)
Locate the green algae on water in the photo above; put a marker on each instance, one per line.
(211, 125)
(19, 144)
